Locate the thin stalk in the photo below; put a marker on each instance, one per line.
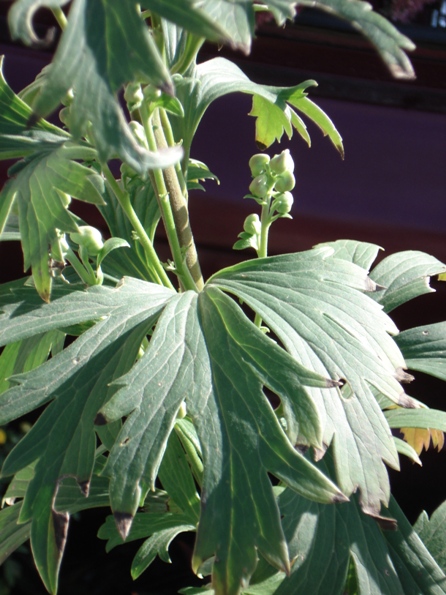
(262, 252)
(265, 219)
(88, 277)
(173, 207)
(193, 45)
(60, 17)
(157, 269)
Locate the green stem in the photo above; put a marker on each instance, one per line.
(262, 252)
(165, 122)
(174, 211)
(265, 219)
(60, 17)
(159, 274)
(193, 45)
(88, 277)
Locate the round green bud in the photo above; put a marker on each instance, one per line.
(285, 182)
(89, 238)
(134, 96)
(258, 163)
(282, 163)
(151, 93)
(65, 198)
(138, 132)
(64, 116)
(68, 99)
(252, 224)
(260, 186)
(283, 203)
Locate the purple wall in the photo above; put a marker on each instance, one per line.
(393, 172)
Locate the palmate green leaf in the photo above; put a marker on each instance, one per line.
(78, 380)
(40, 190)
(361, 253)
(15, 139)
(190, 17)
(390, 43)
(131, 262)
(105, 44)
(297, 99)
(217, 361)
(145, 523)
(407, 450)
(416, 418)
(218, 77)
(424, 349)
(236, 18)
(69, 499)
(25, 355)
(271, 121)
(221, 21)
(432, 532)
(315, 305)
(157, 545)
(404, 276)
(323, 540)
(410, 555)
(176, 477)
(12, 535)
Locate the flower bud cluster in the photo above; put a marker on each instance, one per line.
(273, 180)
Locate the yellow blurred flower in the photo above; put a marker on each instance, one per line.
(420, 438)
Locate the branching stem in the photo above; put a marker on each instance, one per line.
(262, 252)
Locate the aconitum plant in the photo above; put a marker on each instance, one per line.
(255, 408)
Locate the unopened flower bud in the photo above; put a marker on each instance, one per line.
(134, 96)
(283, 203)
(138, 132)
(282, 163)
(258, 163)
(252, 224)
(89, 238)
(260, 187)
(285, 182)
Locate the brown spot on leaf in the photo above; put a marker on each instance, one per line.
(402, 376)
(100, 419)
(32, 120)
(123, 522)
(407, 402)
(168, 89)
(84, 487)
(386, 523)
(60, 523)
(339, 498)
